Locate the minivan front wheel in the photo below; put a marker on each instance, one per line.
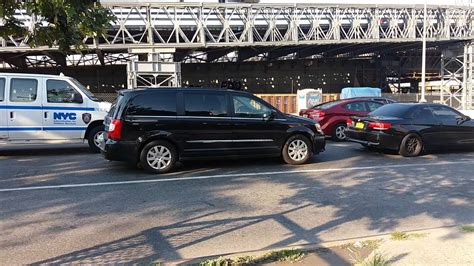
(158, 157)
(297, 150)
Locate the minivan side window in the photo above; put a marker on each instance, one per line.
(249, 107)
(2, 89)
(59, 91)
(162, 103)
(23, 90)
(205, 104)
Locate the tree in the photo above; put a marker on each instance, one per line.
(61, 23)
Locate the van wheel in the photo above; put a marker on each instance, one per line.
(96, 135)
(339, 132)
(158, 157)
(411, 146)
(297, 150)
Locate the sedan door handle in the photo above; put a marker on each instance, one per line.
(12, 115)
(45, 115)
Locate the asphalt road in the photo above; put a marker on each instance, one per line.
(65, 205)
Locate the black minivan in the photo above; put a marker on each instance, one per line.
(157, 127)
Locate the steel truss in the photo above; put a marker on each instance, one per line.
(190, 25)
(457, 73)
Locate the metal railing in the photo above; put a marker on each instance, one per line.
(192, 25)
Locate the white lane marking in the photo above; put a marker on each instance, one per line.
(230, 175)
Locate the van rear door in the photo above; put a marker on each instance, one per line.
(24, 110)
(3, 109)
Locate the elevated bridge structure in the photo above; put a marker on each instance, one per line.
(153, 38)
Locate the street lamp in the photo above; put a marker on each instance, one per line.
(423, 58)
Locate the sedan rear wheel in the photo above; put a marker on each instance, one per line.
(411, 145)
(339, 133)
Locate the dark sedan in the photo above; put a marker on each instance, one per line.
(412, 128)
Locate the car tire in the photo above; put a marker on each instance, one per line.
(297, 150)
(158, 157)
(338, 133)
(93, 138)
(411, 145)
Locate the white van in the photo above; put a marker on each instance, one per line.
(38, 108)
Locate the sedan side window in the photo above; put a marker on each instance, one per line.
(423, 115)
(355, 106)
(249, 107)
(373, 105)
(443, 113)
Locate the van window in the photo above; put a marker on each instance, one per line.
(161, 103)
(59, 91)
(23, 90)
(205, 104)
(2, 89)
(248, 107)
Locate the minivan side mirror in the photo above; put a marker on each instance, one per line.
(269, 116)
(76, 98)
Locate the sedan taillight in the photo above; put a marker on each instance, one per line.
(115, 129)
(349, 122)
(379, 125)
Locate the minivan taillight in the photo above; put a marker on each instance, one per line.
(379, 125)
(115, 129)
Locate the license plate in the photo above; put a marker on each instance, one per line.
(359, 125)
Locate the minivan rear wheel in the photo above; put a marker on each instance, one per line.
(297, 150)
(158, 157)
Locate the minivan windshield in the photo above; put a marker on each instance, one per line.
(81, 87)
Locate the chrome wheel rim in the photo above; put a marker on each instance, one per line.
(158, 157)
(297, 150)
(341, 132)
(98, 138)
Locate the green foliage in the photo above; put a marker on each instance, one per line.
(468, 228)
(376, 260)
(289, 255)
(405, 236)
(62, 23)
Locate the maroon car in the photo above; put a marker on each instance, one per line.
(332, 116)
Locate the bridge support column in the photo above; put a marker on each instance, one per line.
(457, 72)
(158, 70)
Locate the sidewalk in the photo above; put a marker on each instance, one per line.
(440, 246)
(443, 246)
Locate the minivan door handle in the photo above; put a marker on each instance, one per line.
(12, 115)
(45, 115)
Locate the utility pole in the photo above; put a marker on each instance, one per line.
(423, 58)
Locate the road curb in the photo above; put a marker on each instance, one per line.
(303, 247)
